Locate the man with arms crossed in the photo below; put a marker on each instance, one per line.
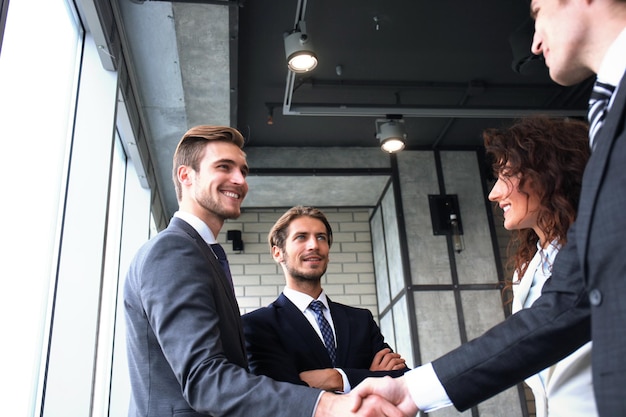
(285, 340)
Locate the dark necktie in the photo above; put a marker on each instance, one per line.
(327, 332)
(218, 250)
(598, 103)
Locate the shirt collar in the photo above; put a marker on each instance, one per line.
(614, 62)
(200, 227)
(302, 300)
(549, 253)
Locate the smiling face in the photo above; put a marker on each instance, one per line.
(562, 35)
(304, 257)
(520, 207)
(216, 190)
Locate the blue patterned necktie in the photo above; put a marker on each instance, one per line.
(598, 104)
(218, 250)
(327, 332)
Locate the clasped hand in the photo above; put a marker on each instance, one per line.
(394, 390)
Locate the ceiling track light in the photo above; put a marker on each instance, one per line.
(299, 50)
(391, 134)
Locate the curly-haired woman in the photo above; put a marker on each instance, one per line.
(539, 163)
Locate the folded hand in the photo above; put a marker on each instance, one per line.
(386, 360)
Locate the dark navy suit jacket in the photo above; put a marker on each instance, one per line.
(281, 342)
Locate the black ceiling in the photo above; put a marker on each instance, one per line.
(446, 66)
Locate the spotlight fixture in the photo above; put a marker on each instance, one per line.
(299, 50)
(391, 134)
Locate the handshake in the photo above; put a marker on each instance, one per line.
(373, 397)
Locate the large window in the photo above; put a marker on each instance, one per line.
(74, 213)
(38, 80)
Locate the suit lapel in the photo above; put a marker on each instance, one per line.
(596, 168)
(218, 272)
(300, 326)
(342, 331)
(222, 279)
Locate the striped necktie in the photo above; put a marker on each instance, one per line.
(598, 104)
(327, 333)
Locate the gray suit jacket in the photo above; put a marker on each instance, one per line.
(186, 349)
(584, 297)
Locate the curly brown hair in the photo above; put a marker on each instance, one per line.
(549, 156)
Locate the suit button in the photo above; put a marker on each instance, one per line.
(595, 297)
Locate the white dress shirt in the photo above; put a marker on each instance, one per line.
(564, 389)
(200, 226)
(302, 301)
(614, 64)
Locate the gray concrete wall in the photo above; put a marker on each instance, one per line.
(451, 298)
(455, 295)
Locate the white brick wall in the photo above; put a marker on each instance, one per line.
(259, 280)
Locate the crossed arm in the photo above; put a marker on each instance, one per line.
(330, 379)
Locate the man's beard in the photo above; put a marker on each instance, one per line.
(207, 202)
(302, 276)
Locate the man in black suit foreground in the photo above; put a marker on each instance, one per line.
(584, 299)
(186, 351)
(285, 340)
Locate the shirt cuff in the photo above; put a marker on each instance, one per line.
(426, 389)
(346, 384)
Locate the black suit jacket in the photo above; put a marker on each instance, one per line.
(186, 349)
(584, 299)
(281, 342)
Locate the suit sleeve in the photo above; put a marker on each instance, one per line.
(190, 319)
(362, 353)
(532, 339)
(266, 353)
